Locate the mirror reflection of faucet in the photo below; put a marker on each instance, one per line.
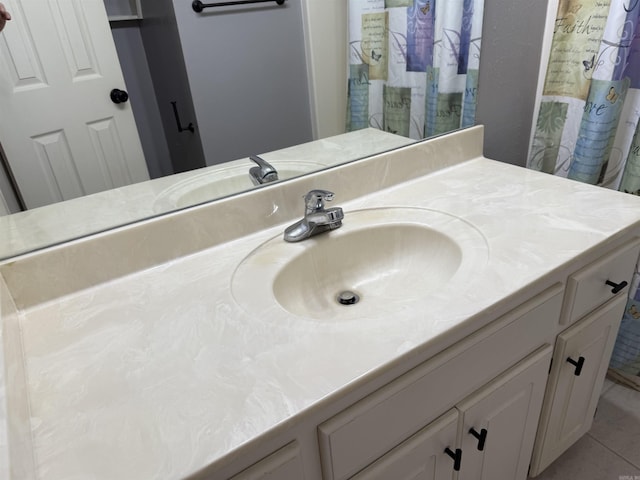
(316, 218)
(263, 173)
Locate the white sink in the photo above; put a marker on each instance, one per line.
(390, 258)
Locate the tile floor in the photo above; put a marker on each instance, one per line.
(611, 449)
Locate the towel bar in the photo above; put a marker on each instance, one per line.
(198, 6)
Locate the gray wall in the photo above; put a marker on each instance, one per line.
(509, 66)
(162, 44)
(248, 77)
(133, 62)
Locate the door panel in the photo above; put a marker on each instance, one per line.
(22, 60)
(56, 164)
(420, 457)
(75, 39)
(508, 410)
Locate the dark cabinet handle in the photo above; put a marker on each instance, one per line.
(482, 437)
(616, 286)
(457, 457)
(578, 364)
(118, 96)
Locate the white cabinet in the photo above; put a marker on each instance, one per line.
(498, 423)
(503, 415)
(365, 431)
(579, 366)
(595, 300)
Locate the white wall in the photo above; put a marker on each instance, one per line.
(326, 44)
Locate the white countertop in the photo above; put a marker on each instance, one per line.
(159, 373)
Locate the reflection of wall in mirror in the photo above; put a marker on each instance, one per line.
(503, 108)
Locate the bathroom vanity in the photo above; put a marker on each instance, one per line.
(201, 345)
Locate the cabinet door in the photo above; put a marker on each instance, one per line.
(580, 363)
(285, 464)
(498, 423)
(420, 457)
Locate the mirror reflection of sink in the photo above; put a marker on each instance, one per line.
(379, 261)
(215, 182)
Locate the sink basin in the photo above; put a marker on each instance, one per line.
(220, 181)
(385, 259)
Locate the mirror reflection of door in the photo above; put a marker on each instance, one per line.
(62, 133)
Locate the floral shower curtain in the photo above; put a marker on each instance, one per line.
(413, 65)
(587, 127)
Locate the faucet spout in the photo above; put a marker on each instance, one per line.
(316, 218)
(263, 173)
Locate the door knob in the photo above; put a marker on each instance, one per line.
(119, 96)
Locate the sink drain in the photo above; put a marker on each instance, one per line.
(348, 298)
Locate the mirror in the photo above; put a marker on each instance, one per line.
(206, 98)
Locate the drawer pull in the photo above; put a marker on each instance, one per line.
(616, 286)
(482, 437)
(577, 364)
(457, 457)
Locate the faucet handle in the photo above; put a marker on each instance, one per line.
(263, 173)
(314, 200)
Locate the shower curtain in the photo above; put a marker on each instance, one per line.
(587, 125)
(413, 65)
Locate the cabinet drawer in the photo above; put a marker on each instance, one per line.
(587, 288)
(365, 431)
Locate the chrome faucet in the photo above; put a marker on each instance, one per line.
(316, 218)
(263, 173)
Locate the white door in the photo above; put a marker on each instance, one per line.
(499, 422)
(421, 457)
(62, 134)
